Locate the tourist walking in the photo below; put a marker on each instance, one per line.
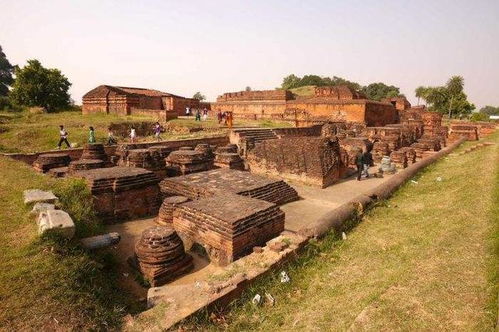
(157, 131)
(224, 118)
(205, 114)
(198, 115)
(110, 137)
(367, 160)
(63, 137)
(359, 163)
(91, 135)
(187, 111)
(133, 134)
(229, 119)
(219, 116)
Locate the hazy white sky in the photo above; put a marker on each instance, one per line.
(220, 46)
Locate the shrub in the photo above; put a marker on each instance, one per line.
(75, 198)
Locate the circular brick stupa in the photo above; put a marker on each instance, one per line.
(161, 256)
(165, 216)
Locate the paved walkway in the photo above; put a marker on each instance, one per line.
(317, 202)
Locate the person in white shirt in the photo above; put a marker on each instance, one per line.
(63, 137)
(133, 135)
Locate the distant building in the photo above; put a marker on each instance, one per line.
(126, 101)
(328, 103)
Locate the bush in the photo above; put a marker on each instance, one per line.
(8, 106)
(75, 198)
(479, 117)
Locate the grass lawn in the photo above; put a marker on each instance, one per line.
(46, 284)
(25, 132)
(424, 260)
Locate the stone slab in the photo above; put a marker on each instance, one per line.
(32, 196)
(56, 221)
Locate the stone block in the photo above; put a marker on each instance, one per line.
(41, 207)
(32, 196)
(56, 221)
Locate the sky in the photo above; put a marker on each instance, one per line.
(223, 46)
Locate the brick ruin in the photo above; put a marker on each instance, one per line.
(122, 193)
(160, 255)
(311, 160)
(138, 101)
(330, 103)
(228, 226)
(201, 193)
(221, 181)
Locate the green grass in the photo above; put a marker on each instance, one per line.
(47, 283)
(424, 260)
(25, 132)
(304, 91)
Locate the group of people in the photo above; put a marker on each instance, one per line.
(225, 117)
(363, 160)
(111, 140)
(198, 113)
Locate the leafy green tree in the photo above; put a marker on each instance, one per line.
(449, 99)
(36, 85)
(378, 91)
(477, 116)
(290, 82)
(199, 96)
(489, 110)
(335, 81)
(6, 70)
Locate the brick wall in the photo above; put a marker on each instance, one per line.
(310, 160)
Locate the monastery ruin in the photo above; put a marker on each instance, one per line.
(127, 101)
(223, 199)
(338, 103)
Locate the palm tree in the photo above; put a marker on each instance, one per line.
(454, 86)
(420, 92)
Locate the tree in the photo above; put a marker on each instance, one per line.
(420, 92)
(449, 99)
(290, 82)
(248, 88)
(199, 96)
(489, 110)
(378, 91)
(477, 116)
(6, 70)
(36, 85)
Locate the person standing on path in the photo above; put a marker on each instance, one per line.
(198, 115)
(367, 160)
(133, 134)
(359, 163)
(63, 137)
(91, 135)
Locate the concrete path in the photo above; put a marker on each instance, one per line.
(317, 202)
